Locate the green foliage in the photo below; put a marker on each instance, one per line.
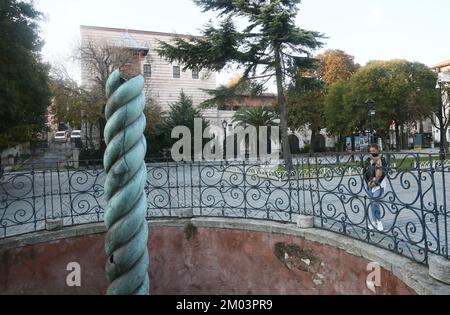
(182, 113)
(305, 106)
(24, 93)
(334, 109)
(306, 96)
(269, 47)
(154, 132)
(68, 102)
(305, 102)
(403, 91)
(223, 96)
(255, 116)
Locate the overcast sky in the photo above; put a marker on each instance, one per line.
(416, 30)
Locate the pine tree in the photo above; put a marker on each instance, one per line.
(182, 113)
(270, 47)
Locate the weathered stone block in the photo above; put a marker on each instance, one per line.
(439, 268)
(54, 224)
(305, 222)
(185, 213)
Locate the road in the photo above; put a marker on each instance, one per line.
(56, 153)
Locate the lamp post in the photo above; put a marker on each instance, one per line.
(84, 122)
(372, 113)
(225, 126)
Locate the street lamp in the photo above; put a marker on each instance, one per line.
(225, 126)
(372, 113)
(84, 117)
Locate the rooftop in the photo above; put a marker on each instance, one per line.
(442, 64)
(123, 30)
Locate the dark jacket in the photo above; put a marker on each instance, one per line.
(370, 170)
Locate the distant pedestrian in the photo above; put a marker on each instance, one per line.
(375, 171)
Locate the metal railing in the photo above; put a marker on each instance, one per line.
(329, 187)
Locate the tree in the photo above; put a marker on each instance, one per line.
(257, 117)
(305, 103)
(74, 102)
(224, 95)
(440, 113)
(403, 92)
(334, 109)
(24, 92)
(269, 47)
(100, 59)
(154, 131)
(336, 65)
(182, 113)
(306, 95)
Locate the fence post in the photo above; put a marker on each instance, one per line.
(34, 196)
(200, 192)
(245, 189)
(317, 175)
(444, 207)
(422, 209)
(290, 194)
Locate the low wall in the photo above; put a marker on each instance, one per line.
(214, 256)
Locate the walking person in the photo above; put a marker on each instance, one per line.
(375, 171)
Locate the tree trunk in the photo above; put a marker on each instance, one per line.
(91, 140)
(102, 124)
(404, 138)
(283, 113)
(397, 137)
(341, 143)
(353, 143)
(446, 146)
(313, 141)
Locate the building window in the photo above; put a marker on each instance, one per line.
(176, 72)
(195, 74)
(147, 70)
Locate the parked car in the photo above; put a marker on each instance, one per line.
(75, 135)
(61, 137)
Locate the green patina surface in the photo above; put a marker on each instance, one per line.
(125, 214)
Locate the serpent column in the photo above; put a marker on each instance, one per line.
(126, 175)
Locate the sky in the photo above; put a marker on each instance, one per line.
(416, 30)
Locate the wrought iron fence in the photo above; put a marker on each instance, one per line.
(329, 187)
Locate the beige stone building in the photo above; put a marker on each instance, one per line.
(164, 81)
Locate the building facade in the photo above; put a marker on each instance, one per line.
(164, 81)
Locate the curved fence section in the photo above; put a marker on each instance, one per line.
(332, 188)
